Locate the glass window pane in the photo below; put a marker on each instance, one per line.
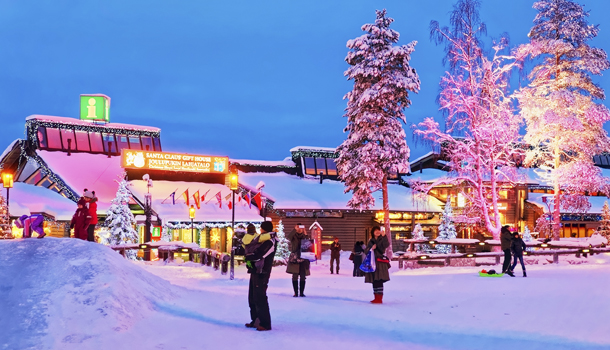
(34, 178)
(67, 139)
(96, 142)
(134, 142)
(82, 141)
(54, 142)
(157, 144)
(310, 168)
(331, 166)
(122, 142)
(321, 165)
(109, 143)
(42, 137)
(46, 182)
(147, 142)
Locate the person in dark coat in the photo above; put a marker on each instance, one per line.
(335, 254)
(91, 200)
(297, 266)
(378, 244)
(506, 238)
(357, 256)
(517, 247)
(80, 220)
(257, 290)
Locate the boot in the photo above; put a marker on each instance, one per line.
(378, 299)
(331, 269)
(295, 287)
(510, 273)
(302, 287)
(524, 274)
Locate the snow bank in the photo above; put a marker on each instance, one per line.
(61, 291)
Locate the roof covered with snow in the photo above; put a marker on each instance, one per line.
(597, 202)
(279, 163)
(74, 121)
(313, 149)
(293, 192)
(28, 199)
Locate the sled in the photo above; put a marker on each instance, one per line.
(485, 274)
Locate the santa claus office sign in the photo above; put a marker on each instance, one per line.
(146, 160)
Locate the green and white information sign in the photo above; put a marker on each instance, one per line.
(95, 107)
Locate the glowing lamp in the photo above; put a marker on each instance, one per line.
(585, 250)
(544, 245)
(524, 253)
(233, 181)
(143, 246)
(185, 250)
(7, 180)
(481, 243)
(423, 257)
(431, 242)
(469, 255)
(192, 212)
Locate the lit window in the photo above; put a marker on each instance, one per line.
(134, 142)
(331, 166)
(109, 143)
(34, 178)
(321, 165)
(53, 138)
(42, 137)
(96, 142)
(310, 166)
(82, 141)
(45, 182)
(503, 194)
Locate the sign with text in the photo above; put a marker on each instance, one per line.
(174, 162)
(95, 107)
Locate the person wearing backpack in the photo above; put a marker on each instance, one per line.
(259, 262)
(506, 240)
(378, 245)
(517, 247)
(297, 266)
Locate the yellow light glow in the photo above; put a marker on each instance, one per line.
(192, 212)
(544, 245)
(215, 236)
(7, 180)
(481, 243)
(470, 255)
(234, 185)
(585, 250)
(423, 257)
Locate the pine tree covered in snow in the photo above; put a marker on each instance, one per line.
(446, 230)
(166, 235)
(418, 233)
(604, 224)
(375, 146)
(527, 237)
(120, 220)
(481, 129)
(564, 121)
(5, 222)
(282, 253)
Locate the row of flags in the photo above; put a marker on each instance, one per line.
(197, 199)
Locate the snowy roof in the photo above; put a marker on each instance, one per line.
(293, 192)
(8, 149)
(27, 199)
(427, 175)
(421, 157)
(74, 121)
(209, 211)
(313, 149)
(286, 162)
(597, 202)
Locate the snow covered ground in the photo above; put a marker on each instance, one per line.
(69, 294)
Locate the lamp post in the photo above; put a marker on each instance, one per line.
(7, 182)
(192, 216)
(234, 185)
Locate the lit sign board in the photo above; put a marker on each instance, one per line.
(174, 162)
(95, 107)
(156, 231)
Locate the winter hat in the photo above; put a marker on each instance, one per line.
(251, 229)
(267, 226)
(82, 202)
(88, 194)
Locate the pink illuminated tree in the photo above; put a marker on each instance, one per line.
(375, 146)
(564, 121)
(481, 134)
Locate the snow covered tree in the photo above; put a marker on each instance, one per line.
(446, 230)
(418, 233)
(282, 253)
(604, 224)
(166, 234)
(120, 220)
(375, 146)
(527, 237)
(5, 222)
(481, 130)
(564, 121)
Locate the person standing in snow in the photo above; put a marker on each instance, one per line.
(378, 244)
(517, 247)
(357, 256)
(91, 200)
(80, 220)
(297, 266)
(259, 277)
(335, 254)
(506, 239)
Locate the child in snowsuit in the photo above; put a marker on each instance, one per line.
(80, 220)
(517, 247)
(31, 224)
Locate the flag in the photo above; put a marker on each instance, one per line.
(205, 194)
(230, 205)
(173, 197)
(227, 197)
(185, 194)
(196, 198)
(258, 200)
(248, 200)
(219, 199)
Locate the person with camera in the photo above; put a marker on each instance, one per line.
(378, 244)
(297, 266)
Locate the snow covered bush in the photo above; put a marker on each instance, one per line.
(282, 253)
(120, 220)
(446, 230)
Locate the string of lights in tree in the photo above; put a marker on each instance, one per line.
(205, 225)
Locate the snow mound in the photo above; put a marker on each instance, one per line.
(57, 291)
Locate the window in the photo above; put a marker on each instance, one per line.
(321, 165)
(67, 139)
(109, 143)
(157, 144)
(53, 138)
(42, 137)
(122, 142)
(147, 143)
(134, 142)
(82, 141)
(332, 167)
(310, 166)
(46, 182)
(34, 178)
(96, 142)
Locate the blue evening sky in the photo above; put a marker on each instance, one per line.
(247, 79)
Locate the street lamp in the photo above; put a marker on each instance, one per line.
(233, 185)
(7, 182)
(192, 216)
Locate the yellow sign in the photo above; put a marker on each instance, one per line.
(174, 162)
